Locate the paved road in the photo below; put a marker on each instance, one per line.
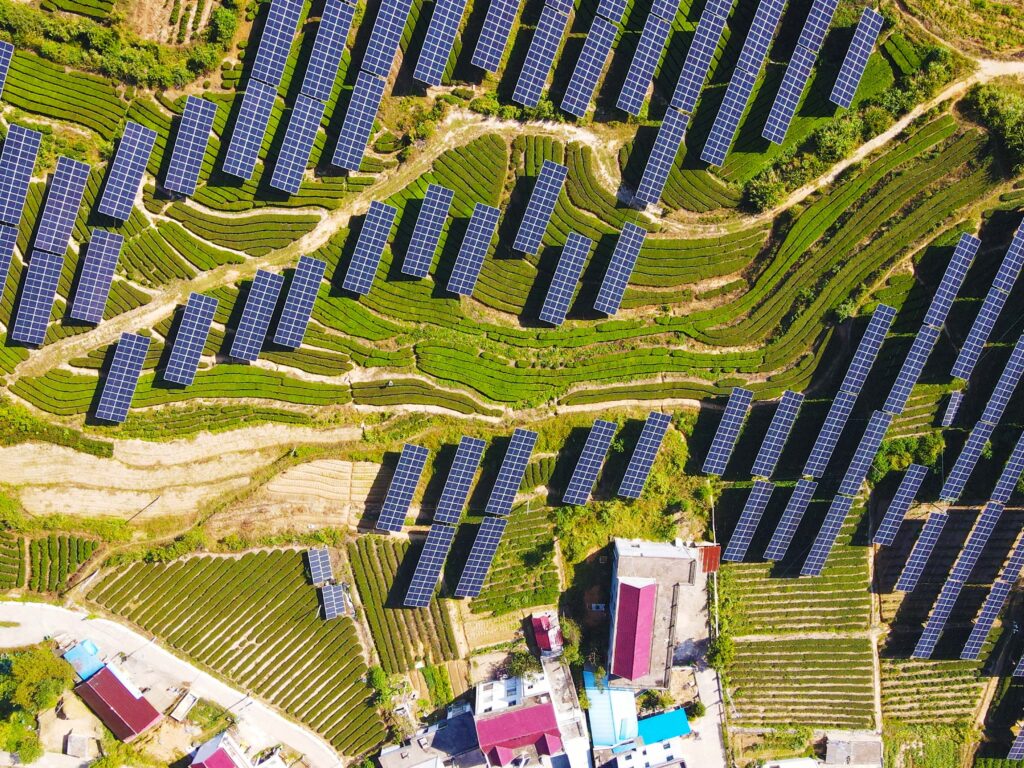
(154, 668)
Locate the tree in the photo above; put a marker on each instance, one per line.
(223, 25)
(521, 663)
(35, 680)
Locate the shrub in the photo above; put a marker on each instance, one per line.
(1000, 107)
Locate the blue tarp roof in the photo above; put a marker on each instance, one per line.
(85, 658)
(664, 726)
(612, 713)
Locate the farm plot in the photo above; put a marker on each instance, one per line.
(55, 558)
(12, 562)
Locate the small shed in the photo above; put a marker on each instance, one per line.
(84, 657)
(854, 748)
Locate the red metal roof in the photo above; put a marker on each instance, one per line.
(547, 639)
(634, 627)
(125, 715)
(709, 558)
(218, 759)
(502, 734)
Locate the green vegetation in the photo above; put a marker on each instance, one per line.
(12, 562)
(31, 681)
(54, 559)
(1000, 107)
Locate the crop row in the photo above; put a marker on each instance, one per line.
(12, 562)
(55, 558)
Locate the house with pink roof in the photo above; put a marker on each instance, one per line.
(528, 732)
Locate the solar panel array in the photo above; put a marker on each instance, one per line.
(6, 54)
(828, 436)
(778, 432)
(706, 39)
(17, 160)
(328, 49)
(98, 266)
(190, 146)
(333, 598)
(542, 204)
(37, 295)
(501, 15)
(479, 232)
(439, 41)
(644, 63)
(427, 232)
(276, 41)
(8, 239)
(511, 472)
(566, 277)
(299, 301)
(63, 200)
(369, 248)
(320, 570)
(856, 60)
(403, 487)
(189, 339)
(994, 603)
(864, 457)
(910, 372)
(794, 82)
(429, 565)
(590, 64)
(620, 268)
(900, 504)
(739, 542)
(1011, 474)
(952, 406)
(867, 349)
(663, 154)
(256, 315)
(119, 385)
(790, 520)
(250, 127)
(124, 177)
(826, 538)
(385, 37)
(1017, 748)
(540, 56)
(481, 555)
(358, 124)
(599, 440)
(728, 431)
(646, 451)
(612, 9)
(812, 36)
(665, 9)
(952, 279)
(922, 550)
(460, 477)
(299, 136)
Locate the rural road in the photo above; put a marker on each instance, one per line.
(153, 667)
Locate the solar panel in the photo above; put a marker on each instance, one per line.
(864, 457)
(952, 406)
(867, 349)
(250, 128)
(190, 146)
(612, 9)
(646, 451)
(541, 55)
(8, 239)
(739, 542)
(993, 605)
(790, 520)
(922, 550)
(828, 436)
(1018, 671)
(333, 598)
(6, 54)
(122, 378)
(385, 37)
(276, 41)
(320, 570)
(798, 71)
(762, 30)
(98, 266)
(720, 7)
(256, 315)
(973, 345)
(439, 40)
(1008, 381)
(63, 200)
(501, 15)
(299, 136)
(511, 472)
(706, 39)
(663, 155)
(566, 277)
(599, 440)
(952, 279)
(856, 60)
(124, 177)
(778, 432)
(403, 487)
(481, 555)
(620, 268)
(460, 478)
(17, 160)
(728, 431)
(479, 232)
(826, 538)
(369, 248)
(328, 50)
(1010, 267)
(643, 65)
(976, 541)
(913, 364)
(590, 64)
(190, 339)
(727, 120)
(37, 295)
(355, 131)
(900, 504)
(1017, 748)
(427, 232)
(812, 36)
(299, 301)
(965, 462)
(428, 567)
(665, 9)
(1011, 474)
(542, 204)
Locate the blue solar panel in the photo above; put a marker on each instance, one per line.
(612, 9)
(1008, 381)
(37, 295)
(460, 478)
(1017, 748)
(589, 66)
(16, 163)
(427, 232)
(952, 406)
(511, 472)
(320, 570)
(369, 248)
(987, 616)
(299, 136)
(798, 71)
(355, 131)
(439, 40)
(922, 550)
(299, 301)
(403, 488)
(646, 451)
(562, 6)
(387, 34)
(328, 50)
(259, 308)
(966, 461)
(826, 538)
(63, 200)
(1018, 671)
(122, 378)
(276, 41)
(728, 431)
(250, 128)
(706, 39)
(952, 279)
(429, 565)
(900, 504)
(856, 60)
(98, 266)
(1009, 268)
(1011, 474)
(6, 54)
(663, 155)
(8, 239)
(589, 464)
(481, 555)
(190, 339)
(720, 7)
(762, 30)
(124, 176)
(778, 433)
(867, 349)
(812, 36)
(864, 457)
(566, 277)
(190, 145)
(541, 206)
(727, 120)
(620, 268)
(739, 542)
(643, 65)
(913, 364)
(970, 352)
(475, 243)
(838, 414)
(790, 521)
(540, 57)
(665, 9)
(490, 48)
(334, 601)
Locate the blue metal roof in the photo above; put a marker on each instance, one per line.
(85, 658)
(612, 713)
(665, 726)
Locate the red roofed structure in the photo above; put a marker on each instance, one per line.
(119, 704)
(634, 627)
(507, 734)
(547, 634)
(220, 752)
